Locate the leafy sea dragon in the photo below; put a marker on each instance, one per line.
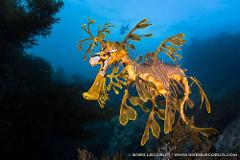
(152, 79)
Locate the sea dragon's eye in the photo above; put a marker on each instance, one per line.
(105, 55)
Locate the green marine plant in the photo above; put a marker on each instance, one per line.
(152, 79)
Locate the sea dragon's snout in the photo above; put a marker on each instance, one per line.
(94, 92)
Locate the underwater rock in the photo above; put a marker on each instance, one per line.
(229, 140)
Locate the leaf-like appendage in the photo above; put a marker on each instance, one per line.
(103, 97)
(131, 114)
(176, 42)
(147, 35)
(155, 127)
(143, 93)
(116, 80)
(136, 101)
(190, 103)
(91, 21)
(135, 37)
(161, 114)
(143, 25)
(122, 119)
(130, 46)
(150, 84)
(127, 113)
(167, 121)
(115, 90)
(177, 39)
(145, 109)
(145, 136)
(145, 20)
(202, 94)
(140, 92)
(93, 41)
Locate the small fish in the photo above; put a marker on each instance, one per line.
(123, 29)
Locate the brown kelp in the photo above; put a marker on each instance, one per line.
(152, 79)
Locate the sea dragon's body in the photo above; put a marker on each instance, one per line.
(152, 79)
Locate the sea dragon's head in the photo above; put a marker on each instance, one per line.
(110, 53)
